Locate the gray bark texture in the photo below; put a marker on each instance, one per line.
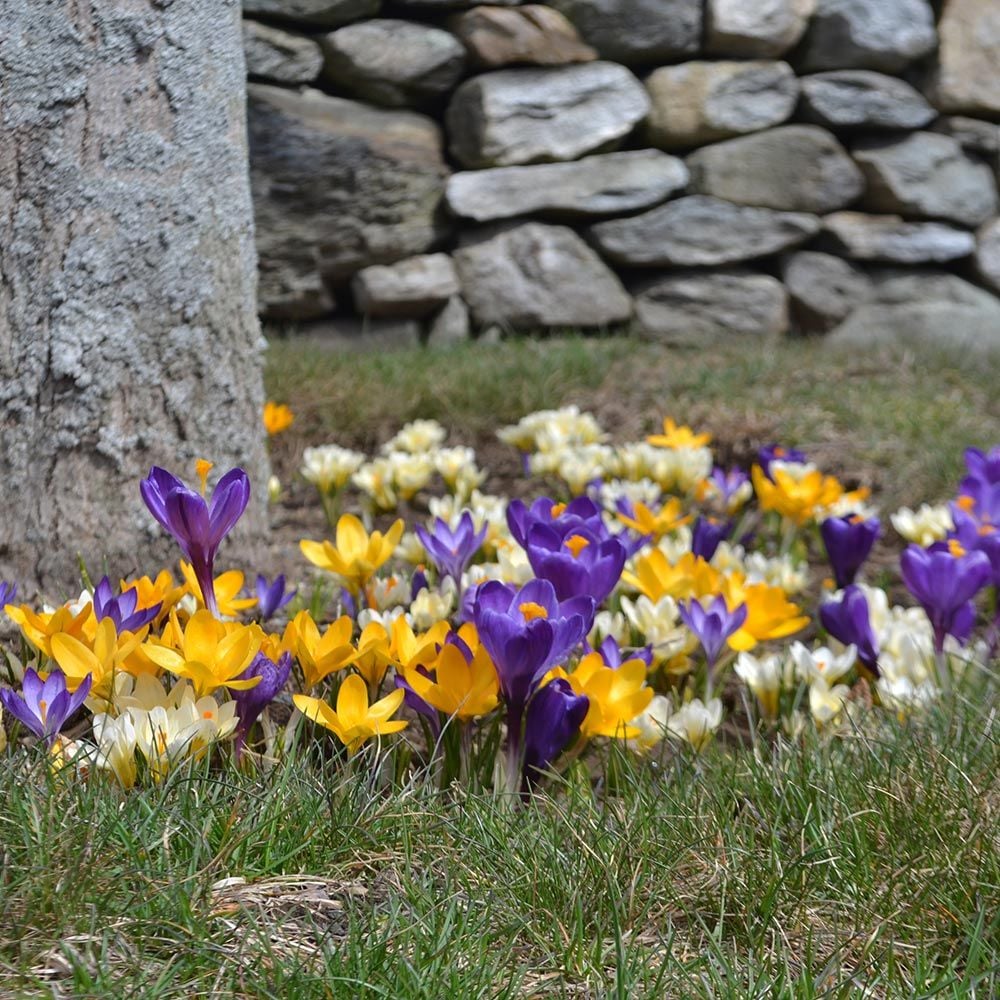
(128, 327)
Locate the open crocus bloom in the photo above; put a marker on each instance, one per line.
(44, 706)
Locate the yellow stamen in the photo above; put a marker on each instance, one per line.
(955, 548)
(531, 611)
(576, 544)
(557, 510)
(43, 710)
(203, 467)
(855, 519)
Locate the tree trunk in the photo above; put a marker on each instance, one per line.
(128, 326)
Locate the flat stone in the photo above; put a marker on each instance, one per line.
(313, 13)
(967, 78)
(988, 254)
(926, 175)
(337, 186)
(755, 28)
(693, 307)
(515, 116)
(410, 289)
(533, 34)
(637, 32)
(394, 63)
(600, 185)
(533, 276)
(699, 231)
(923, 307)
(822, 290)
(451, 325)
(698, 102)
(861, 98)
(792, 168)
(972, 134)
(890, 239)
(273, 54)
(884, 35)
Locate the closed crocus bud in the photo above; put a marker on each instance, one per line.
(553, 721)
(849, 541)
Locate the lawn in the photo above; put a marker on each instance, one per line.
(865, 864)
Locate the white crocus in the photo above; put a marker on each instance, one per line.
(924, 526)
(825, 702)
(696, 722)
(659, 624)
(116, 746)
(432, 606)
(416, 437)
(609, 623)
(652, 724)
(375, 479)
(765, 676)
(821, 664)
(410, 473)
(329, 467)
(388, 592)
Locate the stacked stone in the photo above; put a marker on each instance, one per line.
(698, 168)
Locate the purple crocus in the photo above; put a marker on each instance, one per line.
(848, 620)
(122, 610)
(251, 702)
(713, 625)
(976, 536)
(565, 518)
(706, 535)
(8, 593)
(945, 579)
(553, 721)
(848, 541)
(778, 453)
(271, 597)
(982, 484)
(727, 484)
(452, 551)
(614, 656)
(197, 525)
(577, 563)
(44, 706)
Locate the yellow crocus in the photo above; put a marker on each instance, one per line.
(617, 695)
(464, 689)
(374, 655)
(357, 555)
(227, 587)
(210, 653)
(354, 721)
(407, 646)
(668, 518)
(770, 615)
(796, 498)
(318, 654)
(163, 591)
(278, 417)
(678, 436)
(656, 577)
(107, 654)
(38, 627)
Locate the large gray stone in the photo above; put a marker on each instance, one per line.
(533, 34)
(637, 32)
(968, 72)
(314, 13)
(701, 232)
(885, 35)
(757, 28)
(395, 63)
(926, 175)
(793, 168)
(410, 289)
(988, 254)
(822, 290)
(930, 308)
(532, 276)
(973, 135)
(337, 186)
(698, 102)
(890, 239)
(692, 307)
(853, 98)
(273, 54)
(514, 116)
(594, 186)
(451, 325)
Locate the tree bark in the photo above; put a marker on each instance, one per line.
(128, 325)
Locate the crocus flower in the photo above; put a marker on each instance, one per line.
(613, 657)
(8, 593)
(357, 555)
(250, 702)
(122, 610)
(278, 417)
(678, 436)
(848, 620)
(271, 597)
(982, 485)
(945, 580)
(731, 489)
(696, 722)
(354, 721)
(452, 551)
(776, 452)
(554, 719)
(44, 706)
(582, 563)
(565, 518)
(197, 525)
(457, 681)
(712, 625)
(977, 536)
(706, 535)
(848, 541)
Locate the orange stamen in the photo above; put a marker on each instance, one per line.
(531, 611)
(576, 544)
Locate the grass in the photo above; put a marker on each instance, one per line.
(861, 866)
(898, 421)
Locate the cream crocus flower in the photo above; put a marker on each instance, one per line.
(651, 724)
(375, 480)
(410, 473)
(765, 677)
(924, 526)
(417, 437)
(821, 663)
(825, 702)
(696, 722)
(329, 467)
(432, 606)
(116, 746)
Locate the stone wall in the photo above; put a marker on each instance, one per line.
(699, 168)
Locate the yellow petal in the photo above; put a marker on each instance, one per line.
(352, 539)
(352, 701)
(74, 658)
